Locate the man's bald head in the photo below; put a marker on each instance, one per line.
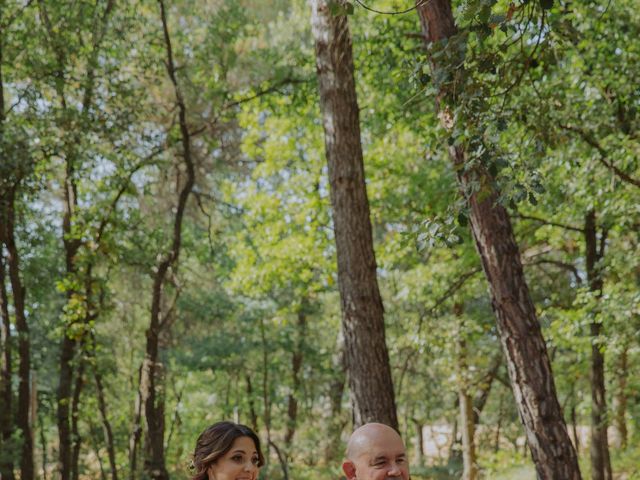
(375, 451)
(364, 437)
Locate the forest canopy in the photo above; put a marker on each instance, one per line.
(304, 216)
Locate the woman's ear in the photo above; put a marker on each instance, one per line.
(210, 474)
(349, 469)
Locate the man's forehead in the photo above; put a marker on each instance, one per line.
(386, 451)
(372, 440)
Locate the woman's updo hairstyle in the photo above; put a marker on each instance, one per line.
(215, 441)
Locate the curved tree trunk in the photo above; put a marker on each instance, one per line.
(367, 357)
(152, 375)
(520, 334)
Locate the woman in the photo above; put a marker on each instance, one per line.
(227, 451)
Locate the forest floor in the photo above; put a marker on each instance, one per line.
(518, 473)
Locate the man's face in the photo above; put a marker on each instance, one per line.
(383, 458)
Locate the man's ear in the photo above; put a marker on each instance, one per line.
(349, 469)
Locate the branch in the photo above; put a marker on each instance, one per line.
(450, 291)
(590, 140)
(565, 266)
(547, 222)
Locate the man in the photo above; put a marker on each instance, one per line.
(376, 452)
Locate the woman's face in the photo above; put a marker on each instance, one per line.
(239, 463)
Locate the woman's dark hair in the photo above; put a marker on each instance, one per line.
(215, 441)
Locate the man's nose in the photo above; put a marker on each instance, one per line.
(394, 471)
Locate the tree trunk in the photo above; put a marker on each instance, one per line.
(24, 343)
(106, 425)
(69, 342)
(76, 440)
(496, 440)
(335, 422)
(252, 404)
(467, 417)
(266, 396)
(136, 431)
(367, 358)
(296, 365)
(621, 397)
(6, 391)
(152, 377)
(600, 461)
(520, 333)
(484, 388)
(419, 442)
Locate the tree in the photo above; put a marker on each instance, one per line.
(367, 358)
(521, 337)
(152, 374)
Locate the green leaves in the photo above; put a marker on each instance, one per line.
(546, 4)
(340, 7)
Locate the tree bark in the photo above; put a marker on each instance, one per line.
(600, 460)
(69, 342)
(520, 333)
(6, 390)
(24, 343)
(367, 357)
(76, 439)
(106, 425)
(419, 441)
(266, 396)
(335, 422)
(296, 365)
(467, 417)
(252, 404)
(152, 377)
(621, 397)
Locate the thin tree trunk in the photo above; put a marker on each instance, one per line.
(296, 365)
(106, 425)
(484, 388)
(6, 391)
(520, 333)
(136, 432)
(24, 343)
(496, 440)
(419, 442)
(600, 461)
(252, 404)
(335, 422)
(266, 402)
(467, 417)
(152, 378)
(367, 358)
(576, 437)
(282, 459)
(621, 397)
(76, 439)
(69, 342)
(43, 446)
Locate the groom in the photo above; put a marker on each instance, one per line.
(376, 452)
